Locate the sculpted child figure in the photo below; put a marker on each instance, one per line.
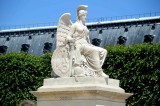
(75, 55)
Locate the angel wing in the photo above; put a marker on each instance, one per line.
(60, 58)
(63, 29)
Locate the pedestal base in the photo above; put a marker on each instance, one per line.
(80, 91)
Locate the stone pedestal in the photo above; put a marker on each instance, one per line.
(81, 91)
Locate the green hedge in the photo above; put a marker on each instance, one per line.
(137, 67)
(19, 74)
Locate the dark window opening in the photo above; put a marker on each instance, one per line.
(148, 38)
(100, 31)
(25, 47)
(47, 47)
(96, 41)
(3, 49)
(7, 39)
(53, 35)
(30, 37)
(121, 40)
(126, 30)
(153, 27)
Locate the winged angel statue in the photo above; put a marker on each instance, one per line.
(75, 55)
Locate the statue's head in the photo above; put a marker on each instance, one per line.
(82, 12)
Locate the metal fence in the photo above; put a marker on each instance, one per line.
(151, 14)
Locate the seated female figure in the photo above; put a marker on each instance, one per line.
(88, 56)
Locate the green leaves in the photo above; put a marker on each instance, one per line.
(19, 74)
(138, 69)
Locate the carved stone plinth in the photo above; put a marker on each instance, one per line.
(80, 91)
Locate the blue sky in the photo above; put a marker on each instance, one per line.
(23, 12)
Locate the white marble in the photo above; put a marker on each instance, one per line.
(75, 55)
(79, 83)
(78, 77)
(80, 91)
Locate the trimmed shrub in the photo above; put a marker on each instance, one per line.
(137, 67)
(21, 73)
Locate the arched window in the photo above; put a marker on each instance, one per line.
(3, 49)
(7, 39)
(53, 35)
(29, 37)
(100, 31)
(126, 30)
(121, 40)
(153, 27)
(96, 41)
(47, 47)
(25, 47)
(148, 38)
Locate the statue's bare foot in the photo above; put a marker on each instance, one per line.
(104, 75)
